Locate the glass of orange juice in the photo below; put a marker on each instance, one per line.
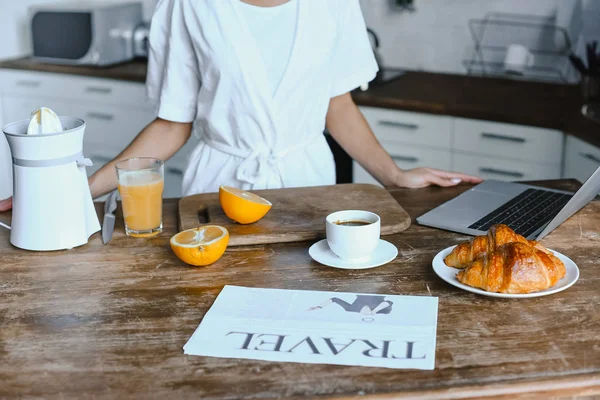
(141, 184)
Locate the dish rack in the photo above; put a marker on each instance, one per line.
(492, 35)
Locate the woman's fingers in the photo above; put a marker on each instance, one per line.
(6, 204)
(442, 181)
(456, 175)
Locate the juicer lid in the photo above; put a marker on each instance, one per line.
(69, 123)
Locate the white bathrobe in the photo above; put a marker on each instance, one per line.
(205, 67)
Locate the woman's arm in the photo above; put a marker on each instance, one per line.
(160, 139)
(349, 128)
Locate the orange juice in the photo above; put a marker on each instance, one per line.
(141, 196)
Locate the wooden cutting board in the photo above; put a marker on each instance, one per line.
(298, 214)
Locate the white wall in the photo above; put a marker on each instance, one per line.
(436, 36)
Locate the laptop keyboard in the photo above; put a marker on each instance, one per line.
(526, 213)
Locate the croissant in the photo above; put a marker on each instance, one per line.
(513, 268)
(468, 252)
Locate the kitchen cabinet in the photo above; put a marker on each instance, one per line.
(581, 159)
(509, 141)
(114, 111)
(408, 157)
(488, 149)
(395, 126)
(503, 169)
(5, 162)
(412, 139)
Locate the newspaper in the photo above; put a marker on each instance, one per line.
(319, 328)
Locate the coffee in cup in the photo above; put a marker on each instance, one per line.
(353, 234)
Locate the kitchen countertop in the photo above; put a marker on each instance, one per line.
(544, 105)
(110, 321)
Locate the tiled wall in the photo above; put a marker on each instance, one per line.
(436, 36)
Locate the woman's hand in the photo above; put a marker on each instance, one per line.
(6, 204)
(423, 177)
(350, 129)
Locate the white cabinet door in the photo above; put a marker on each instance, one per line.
(581, 159)
(395, 126)
(524, 143)
(407, 157)
(18, 107)
(110, 126)
(69, 87)
(503, 169)
(5, 160)
(173, 182)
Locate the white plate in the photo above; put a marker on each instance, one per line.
(449, 275)
(383, 254)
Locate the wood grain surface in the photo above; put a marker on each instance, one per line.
(110, 321)
(297, 214)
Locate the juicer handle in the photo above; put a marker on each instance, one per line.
(84, 162)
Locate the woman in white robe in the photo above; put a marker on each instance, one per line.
(258, 81)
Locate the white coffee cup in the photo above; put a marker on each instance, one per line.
(353, 242)
(518, 59)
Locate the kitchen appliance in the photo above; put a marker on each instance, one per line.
(88, 33)
(52, 203)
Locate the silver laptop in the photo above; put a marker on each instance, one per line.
(531, 211)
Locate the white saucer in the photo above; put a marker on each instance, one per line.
(383, 254)
(449, 275)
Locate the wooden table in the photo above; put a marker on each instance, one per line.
(110, 321)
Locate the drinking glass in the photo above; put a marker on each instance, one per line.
(141, 185)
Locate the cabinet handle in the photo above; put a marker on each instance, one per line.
(590, 157)
(175, 171)
(496, 136)
(395, 124)
(30, 84)
(101, 116)
(99, 90)
(405, 159)
(513, 174)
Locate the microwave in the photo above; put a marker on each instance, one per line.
(98, 34)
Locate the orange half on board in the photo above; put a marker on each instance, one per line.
(200, 246)
(241, 206)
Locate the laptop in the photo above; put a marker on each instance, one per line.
(530, 211)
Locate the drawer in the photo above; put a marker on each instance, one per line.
(408, 157)
(508, 140)
(107, 91)
(16, 108)
(112, 126)
(581, 159)
(33, 84)
(503, 169)
(173, 181)
(393, 126)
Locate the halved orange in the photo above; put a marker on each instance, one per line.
(200, 246)
(242, 206)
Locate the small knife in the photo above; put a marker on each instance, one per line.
(108, 225)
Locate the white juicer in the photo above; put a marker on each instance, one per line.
(52, 204)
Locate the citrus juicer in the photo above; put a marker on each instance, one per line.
(52, 204)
